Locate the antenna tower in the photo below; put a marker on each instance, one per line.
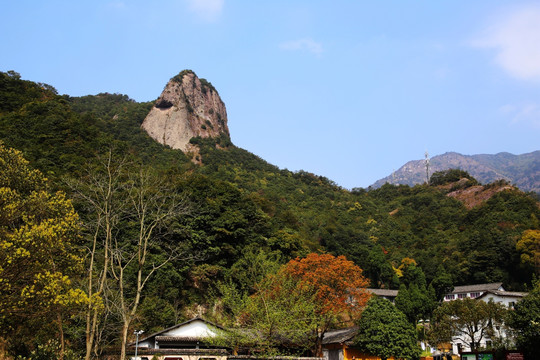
(426, 163)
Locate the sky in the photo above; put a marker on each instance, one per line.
(347, 89)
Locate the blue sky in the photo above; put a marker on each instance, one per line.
(350, 90)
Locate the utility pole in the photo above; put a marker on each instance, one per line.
(137, 333)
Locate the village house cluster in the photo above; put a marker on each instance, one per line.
(188, 340)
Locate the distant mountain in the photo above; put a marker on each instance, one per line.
(520, 170)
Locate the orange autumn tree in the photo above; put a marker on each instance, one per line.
(339, 289)
(292, 308)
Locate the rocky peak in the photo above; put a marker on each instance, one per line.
(188, 107)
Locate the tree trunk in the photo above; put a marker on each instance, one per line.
(125, 329)
(62, 340)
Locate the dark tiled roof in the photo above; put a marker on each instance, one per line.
(185, 352)
(383, 292)
(476, 288)
(339, 336)
(504, 293)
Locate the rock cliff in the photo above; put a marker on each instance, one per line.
(188, 107)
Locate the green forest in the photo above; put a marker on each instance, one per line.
(103, 230)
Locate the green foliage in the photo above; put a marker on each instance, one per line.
(278, 319)
(385, 332)
(469, 320)
(248, 213)
(450, 176)
(49, 351)
(525, 320)
(39, 257)
(14, 92)
(179, 78)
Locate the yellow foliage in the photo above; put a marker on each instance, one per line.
(371, 221)
(357, 207)
(405, 262)
(38, 230)
(529, 247)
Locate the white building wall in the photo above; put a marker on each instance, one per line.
(196, 328)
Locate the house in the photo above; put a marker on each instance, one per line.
(472, 291)
(338, 345)
(384, 293)
(507, 298)
(190, 340)
(486, 292)
(184, 341)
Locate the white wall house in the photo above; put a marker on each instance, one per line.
(472, 291)
(185, 341)
(498, 295)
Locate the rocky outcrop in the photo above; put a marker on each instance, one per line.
(188, 107)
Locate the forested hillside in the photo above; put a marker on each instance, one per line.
(227, 221)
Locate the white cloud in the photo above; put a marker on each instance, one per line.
(306, 44)
(524, 113)
(515, 36)
(208, 10)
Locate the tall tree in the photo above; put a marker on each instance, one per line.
(529, 248)
(467, 320)
(385, 332)
(39, 232)
(129, 213)
(299, 302)
(152, 204)
(525, 320)
(100, 199)
(338, 286)
(414, 298)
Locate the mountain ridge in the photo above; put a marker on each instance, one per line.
(523, 170)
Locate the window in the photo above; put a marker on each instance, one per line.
(511, 304)
(461, 296)
(173, 358)
(449, 297)
(474, 295)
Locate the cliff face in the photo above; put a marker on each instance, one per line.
(188, 107)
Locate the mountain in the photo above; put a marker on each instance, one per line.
(245, 215)
(188, 107)
(521, 170)
(243, 205)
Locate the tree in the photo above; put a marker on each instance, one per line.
(130, 211)
(294, 307)
(39, 231)
(151, 205)
(529, 247)
(338, 286)
(384, 331)
(99, 197)
(282, 314)
(449, 176)
(414, 299)
(525, 320)
(467, 320)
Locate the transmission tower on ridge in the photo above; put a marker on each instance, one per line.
(426, 163)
